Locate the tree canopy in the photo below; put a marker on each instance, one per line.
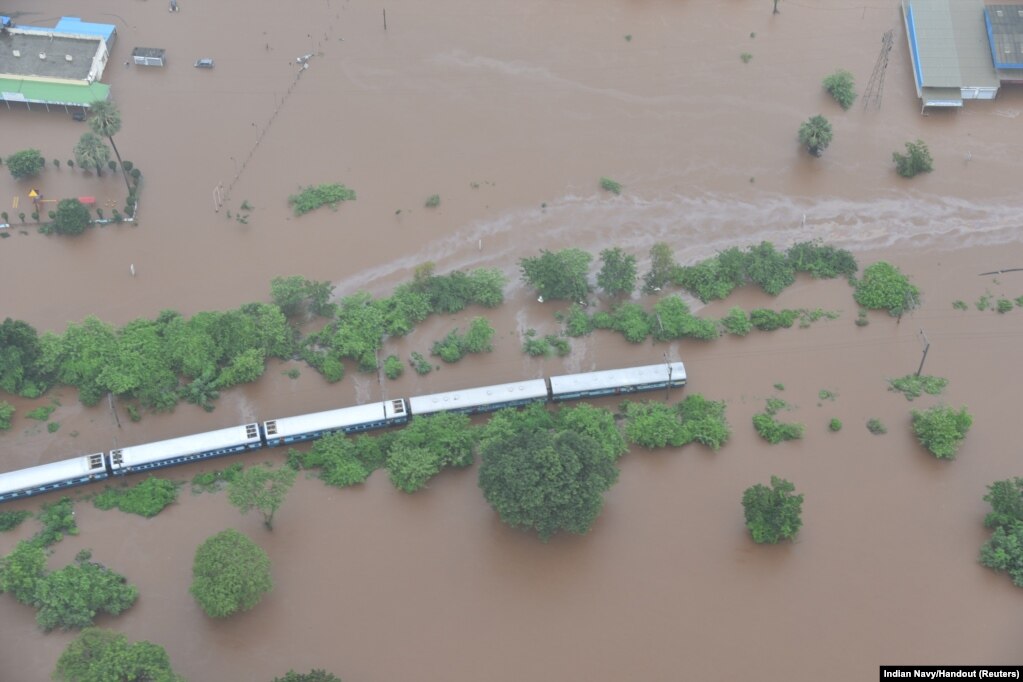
(916, 160)
(941, 429)
(90, 152)
(311, 676)
(816, 134)
(98, 655)
(773, 514)
(71, 217)
(617, 276)
(558, 274)
(230, 573)
(20, 355)
(884, 287)
(261, 488)
(546, 480)
(25, 164)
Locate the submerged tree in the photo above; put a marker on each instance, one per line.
(815, 133)
(99, 655)
(231, 573)
(773, 514)
(90, 152)
(105, 120)
(261, 488)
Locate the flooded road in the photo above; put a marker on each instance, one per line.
(512, 112)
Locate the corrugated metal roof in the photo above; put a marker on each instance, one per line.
(949, 42)
(1005, 33)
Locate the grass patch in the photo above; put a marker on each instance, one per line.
(913, 386)
(312, 198)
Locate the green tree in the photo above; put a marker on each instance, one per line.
(841, 86)
(737, 322)
(245, 367)
(558, 274)
(72, 217)
(1004, 552)
(597, 423)
(917, 159)
(1006, 499)
(311, 676)
(261, 488)
(288, 293)
(72, 596)
(98, 655)
(23, 570)
(25, 164)
(941, 429)
(20, 356)
(768, 268)
(478, 337)
(338, 458)
(105, 120)
(90, 152)
(884, 287)
(231, 573)
(662, 268)
(617, 276)
(773, 514)
(6, 414)
(410, 467)
(546, 481)
(816, 134)
(653, 425)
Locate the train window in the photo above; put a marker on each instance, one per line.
(271, 428)
(251, 431)
(96, 461)
(399, 406)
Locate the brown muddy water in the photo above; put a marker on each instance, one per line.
(512, 111)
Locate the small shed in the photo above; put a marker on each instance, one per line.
(148, 56)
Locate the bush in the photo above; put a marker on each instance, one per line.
(558, 274)
(25, 164)
(41, 413)
(822, 262)
(875, 426)
(736, 322)
(433, 201)
(773, 514)
(835, 425)
(393, 368)
(1004, 305)
(941, 429)
(816, 134)
(610, 185)
(73, 596)
(662, 268)
(536, 347)
(336, 456)
(884, 287)
(147, 498)
(912, 386)
(769, 320)
(6, 415)
(842, 87)
(917, 159)
(772, 430)
(58, 519)
(420, 364)
(312, 198)
(9, 520)
(410, 467)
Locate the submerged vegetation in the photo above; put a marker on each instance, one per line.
(772, 430)
(311, 198)
(147, 498)
(912, 385)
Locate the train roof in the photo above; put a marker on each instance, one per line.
(336, 419)
(54, 472)
(221, 439)
(615, 378)
(476, 397)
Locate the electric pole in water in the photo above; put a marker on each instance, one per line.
(927, 347)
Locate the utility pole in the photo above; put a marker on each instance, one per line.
(927, 347)
(667, 390)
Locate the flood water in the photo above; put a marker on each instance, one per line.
(511, 112)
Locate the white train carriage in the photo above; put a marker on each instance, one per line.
(185, 449)
(618, 381)
(347, 419)
(53, 476)
(484, 399)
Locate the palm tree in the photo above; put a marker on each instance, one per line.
(105, 120)
(815, 133)
(90, 152)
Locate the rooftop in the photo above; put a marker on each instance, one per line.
(56, 48)
(949, 44)
(1005, 33)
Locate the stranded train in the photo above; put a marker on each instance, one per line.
(86, 468)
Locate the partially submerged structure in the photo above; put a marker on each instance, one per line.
(51, 67)
(148, 56)
(949, 49)
(1004, 25)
